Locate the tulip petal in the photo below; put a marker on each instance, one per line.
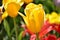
(4, 15)
(38, 15)
(29, 8)
(12, 9)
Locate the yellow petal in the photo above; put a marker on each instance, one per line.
(31, 26)
(5, 2)
(12, 9)
(53, 17)
(29, 8)
(4, 15)
(54, 13)
(38, 15)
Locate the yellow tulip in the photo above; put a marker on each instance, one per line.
(4, 15)
(34, 18)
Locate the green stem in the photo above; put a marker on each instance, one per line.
(37, 38)
(16, 30)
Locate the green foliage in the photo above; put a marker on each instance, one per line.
(20, 35)
(7, 28)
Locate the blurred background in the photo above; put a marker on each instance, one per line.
(49, 6)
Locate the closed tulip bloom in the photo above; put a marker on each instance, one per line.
(34, 18)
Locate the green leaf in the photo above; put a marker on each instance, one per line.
(13, 30)
(20, 35)
(7, 28)
(36, 1)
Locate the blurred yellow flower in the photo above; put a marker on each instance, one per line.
(4, 15)
(11, 7)
(53, 18)
(34, 18)
(47, 16)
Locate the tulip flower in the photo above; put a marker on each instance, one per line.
(49, 25)
(11, 7)
(34, 18)
(11, 10)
